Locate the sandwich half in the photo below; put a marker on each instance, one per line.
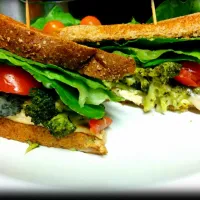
(167, 56)
(51, 89)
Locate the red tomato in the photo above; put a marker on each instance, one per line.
(97, 125)
(189, 74)
(15, 80)
(90, 20)
(52, 26)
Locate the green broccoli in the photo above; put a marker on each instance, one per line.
(45, 108)
(41, 107)
(164, 71)
(144, 76)
(159, 87)
(157, 83)
(162, 97)
(10, 104)
(60, 125)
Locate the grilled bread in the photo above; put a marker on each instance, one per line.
(180, 27)
(81, 140)
(183, 27)
(35, 45)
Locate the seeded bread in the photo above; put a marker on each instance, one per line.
(35, 45)
(78, 140)
(179, 27)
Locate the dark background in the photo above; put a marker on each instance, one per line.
(110, 11)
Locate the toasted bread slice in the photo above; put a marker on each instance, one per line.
(80, 141)
(35, 45)
(179, 27)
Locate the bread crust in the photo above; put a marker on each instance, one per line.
(35, 45)
(180, 27)
(106, 67)
(79, 141)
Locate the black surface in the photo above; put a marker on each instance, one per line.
(110, 11)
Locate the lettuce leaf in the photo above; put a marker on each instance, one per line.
(161, 42)
(148, 43)
(133, 21)
(148, 58)
(56, 13)
(82, 95)
(175, 8)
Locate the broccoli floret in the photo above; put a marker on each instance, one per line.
(159, 87)
(45, 108)
(161, 94)
(41, 107)
(10, 104)
(164, 71)
(60, 125)
(165, 96)
(144, 76)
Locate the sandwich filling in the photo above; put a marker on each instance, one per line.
(48, 96)
(167, 74)
(55, 85)
(164, 79)
(167, 60)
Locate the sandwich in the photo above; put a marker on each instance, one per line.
(52, 91)
(167, 57)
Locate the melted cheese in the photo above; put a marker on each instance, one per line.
(130, 95)
(135, 97)
(195, 100)
(22, 118)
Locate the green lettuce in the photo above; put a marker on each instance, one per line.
(56, 13)
(175, 8)
(157, 43)
(133, 21)
(148, 43)
(148, 58)
(82, 95)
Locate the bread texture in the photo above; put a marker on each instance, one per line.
(48, 49)
(180, 27)
(104, 66)
(78, 140)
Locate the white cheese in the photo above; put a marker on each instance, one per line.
(130, 95)
(21, 118)
(137, 98)
(195, 100)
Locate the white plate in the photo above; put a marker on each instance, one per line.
(145, 151)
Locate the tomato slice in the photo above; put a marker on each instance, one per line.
(97, 125)
(90, 20)
(189, 74)
(52, 26)
(16, 81)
